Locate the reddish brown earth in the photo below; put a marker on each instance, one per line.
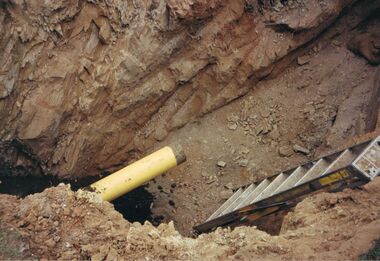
(87, 87)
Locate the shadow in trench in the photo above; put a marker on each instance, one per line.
(134, 206)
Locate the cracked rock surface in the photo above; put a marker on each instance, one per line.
(87, 86)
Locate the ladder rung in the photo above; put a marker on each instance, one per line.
(271, 187)
(248, 198)
(314, 171)
(263, 184)
(246, 193)
(226, 204)
(292, 180)
(344, 159)
(232, 205)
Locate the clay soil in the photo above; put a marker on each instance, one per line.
(247, 89)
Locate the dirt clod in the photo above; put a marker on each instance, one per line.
(221, 164)
(302, 60)
(298, 148)
(285, 151)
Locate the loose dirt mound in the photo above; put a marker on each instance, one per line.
(59, 223)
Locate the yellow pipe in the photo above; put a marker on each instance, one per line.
(139, 172)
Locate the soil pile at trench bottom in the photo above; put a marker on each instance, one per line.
(60, 223)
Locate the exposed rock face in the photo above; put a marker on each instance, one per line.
(84, 85)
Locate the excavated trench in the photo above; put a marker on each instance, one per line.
(98, 85)
(135, 206)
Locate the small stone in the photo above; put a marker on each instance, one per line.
(232, 126)
(204, 174)
(50, 243)
(285, 151)
(275, 133)
(160, 133)
(226, 194)
(243, 163)
(337, 42)
(229, 185)
(317, 47)
(302, 85)
(58, 29)
(244, 150)
(153, 234)
(22, 223)
(136, 224)
(221, 164)
(266, 128)
(66, 211)
(233, 118)
(210, 181)
(253, 168)
(302, 60)
(298, 148)
(265, 113)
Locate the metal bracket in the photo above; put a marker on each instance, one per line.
(368, 162)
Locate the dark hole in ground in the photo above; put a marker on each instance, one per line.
(373, 253)
(134, 206)
(23, 186)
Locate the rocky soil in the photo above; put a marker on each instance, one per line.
(326, 96)
(61, 224)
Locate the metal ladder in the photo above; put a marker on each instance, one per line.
(360, 163)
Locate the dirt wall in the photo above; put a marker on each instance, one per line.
(88, 85)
